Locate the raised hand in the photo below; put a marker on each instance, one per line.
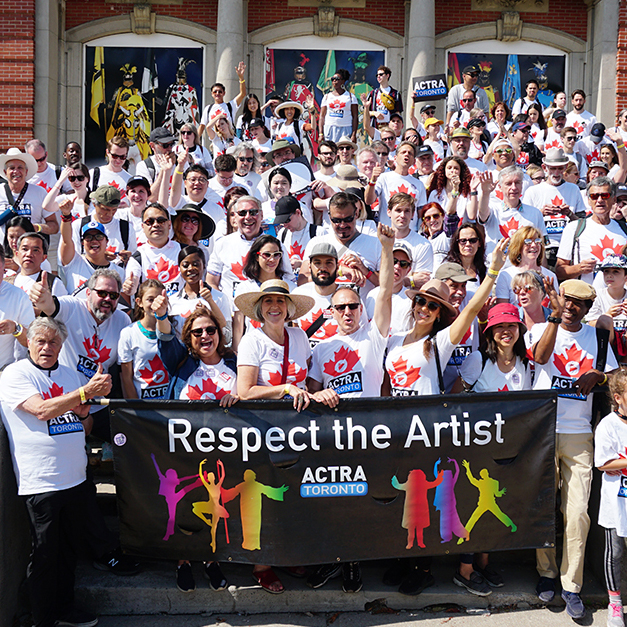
(99, 384)
(160, 304)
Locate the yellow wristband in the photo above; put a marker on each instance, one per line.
(493, 273)
(37, 227)
(81, 391)
(619, 146)
(242, 81)
(412, 284)
(604, 379)
(178, 172)
(339, 272)
(482, 321)
(286, 389)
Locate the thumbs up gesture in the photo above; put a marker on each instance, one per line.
(41, 297)
(99, 384)
(130, 286)
(160, 304)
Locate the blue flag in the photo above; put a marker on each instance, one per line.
(511, 82)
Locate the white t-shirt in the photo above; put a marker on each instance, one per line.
(284, 130)
(352, 365)
(142, 170)
(252, 182)
(442, 199)
(14, 305)
(115, 179)
(596, 241)
(390, 183)
(210, 383)
(25, 282)
(401, 310)
(200, 155)
(422, 252)
(610, 443)
(503, 288)
(438, 149)
(296, 241)
(339, 109)
(46, 179)
(48, 455)
(602, 303)
(158, 263)
(469, 344)
(209, 112)
(581, 122)
(590, 150)
(411, 374)
(257, 349)
(553, 140)
(31, 205)
(492, 379)
(78, 271)
(112, 229)
(573, 355)
(441, 244)
(322, 306)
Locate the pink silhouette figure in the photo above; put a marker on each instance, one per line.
(416, 509)
(167, 488)
(446, 503)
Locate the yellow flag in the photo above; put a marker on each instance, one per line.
(97, 85)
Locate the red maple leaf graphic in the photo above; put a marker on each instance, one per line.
(296, 250)
(155, 373)
(557, 201)
(402, 376)
(328, 329)
(510, 227)
(209, 391)
(572, 363)
(606, 247)
(499, 193)
(624, 470)
(54, 391)
(163, 271)
(403, 189)
(95, 350)
(111, 249)
(343, 361)
(554, 144)
(466, 336)
(295, 374)
(336, 104)
(578, 127)
(523, 158)
(43, 184)
(504, 388)
(304, 324)
(593, 156)
(238, 270)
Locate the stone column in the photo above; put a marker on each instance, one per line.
(229, 45)
(420, 44)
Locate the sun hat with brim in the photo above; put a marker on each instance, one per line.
(431, 121)
(18, 155)
(576, 288)
(246, 302)
(504, 313)
(599, 164)
(286, 105)
(207, 225)
(614, 261)
(555, 156)
(438, 291)
(346, 141)
(461, 131)
(346, 176)
(280, 144)
(454, 272)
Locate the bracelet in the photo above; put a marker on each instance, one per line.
(242, 81)
(286, 389)
(18, 330)
(178, 172)
(454, 194)
(37, 227)
(482, 321)
(604, 379)
(619, 146)
(371, 183)
(412, 283)
(81, 391)
(493, 273)
(554, 319)
(66, 218)
(474, 193)
(370, 273)
(339, 272)
(161, 317)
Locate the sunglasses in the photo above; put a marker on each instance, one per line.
(381, 74)
(468, 99)
(468, 240)
(431, 217)
(105, 293)
(159, 220)
(168, 145)
(429, 111)
(114, 155)
(503, 151)
(421, 301)
(389, 139)
(340, 148)
(271, 256)
(473, 74)
(335, 79)
(327, 154)
(244, 212)
(343, 306)
(187, 132)
(246, 159)
(347, 220)
(536, 240)
(78, 177)
(523, 288)
(42, 159)
(570, 138)
(211, 330)
(90, 237)
(403, 263)
(604, 195)
(193, 219)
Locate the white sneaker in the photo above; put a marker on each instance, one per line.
(615, 615)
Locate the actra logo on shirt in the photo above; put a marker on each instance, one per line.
(571, 363)
(95, 350)
(606, 247)
(155, 373)
(401, 376)
(163, 271)
(208, 391)
(344, 360)
(53, 392)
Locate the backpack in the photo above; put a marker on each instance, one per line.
(581, 227)
(124, 229)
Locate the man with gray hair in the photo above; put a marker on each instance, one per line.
(587, 241)
(246, 170)
(43, 410)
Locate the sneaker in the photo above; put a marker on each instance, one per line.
(119, 564)
(493, 578)
(185, 578)
(417, 581)
(217, 580)
(475, 585)
(546, 589)
(397, 573)
(351, 577)
(615, 615)
(322, 574)
(574, 604)
(78, 618)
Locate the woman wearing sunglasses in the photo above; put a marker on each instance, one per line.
(191, 225)
(339, 111)
(222, 134)
(199, 368)
(438, 228)
(468, 250)
(196, 152)
(526, 253)
(531, 290)
(451, 186)
(77, 175)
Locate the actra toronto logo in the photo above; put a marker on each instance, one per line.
(333, 481)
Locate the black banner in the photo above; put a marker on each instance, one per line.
(432, 87)
(376, 478)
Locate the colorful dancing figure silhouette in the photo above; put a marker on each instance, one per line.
(446, 503)
(211, 511)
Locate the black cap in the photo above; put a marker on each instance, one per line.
(421, 151)
(475, 122)
(558, 113)
(621, 190)
(284, 208)
(136, 180)
(396, 114)
(426, 107)
(161, 135)
(256, 122)
(470, 69)
(598, 130)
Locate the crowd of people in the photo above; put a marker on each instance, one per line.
(484, 253)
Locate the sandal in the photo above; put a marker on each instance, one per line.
(268, 578)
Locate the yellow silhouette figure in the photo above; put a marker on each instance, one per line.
(250, 492)
(211, 511)
(488, 492)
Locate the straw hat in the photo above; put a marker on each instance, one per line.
(246, 302)
(285, 105)
(346, 176)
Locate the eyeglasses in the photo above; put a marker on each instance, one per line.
(78, 177)
(536, 240)
(246, 159)
(187, 132)
(604, 195)
(105, 293)
(503, 151)
(403, 263)
(168, 145)
(201, 179)
(198, 332)
(114, 155)
(343, 306)
(244, 212)
(468, 240)
(271, 256)
(428, 218)
(523, 288)
(421, 301)
(193, 219)
(347, 220)
(160, 220)
(90, 237)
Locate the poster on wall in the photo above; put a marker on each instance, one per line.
(296, 74)
(504, 76)
(129, 91)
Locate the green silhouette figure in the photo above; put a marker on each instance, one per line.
(250, 492)
(488, 492)
(212, 510)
